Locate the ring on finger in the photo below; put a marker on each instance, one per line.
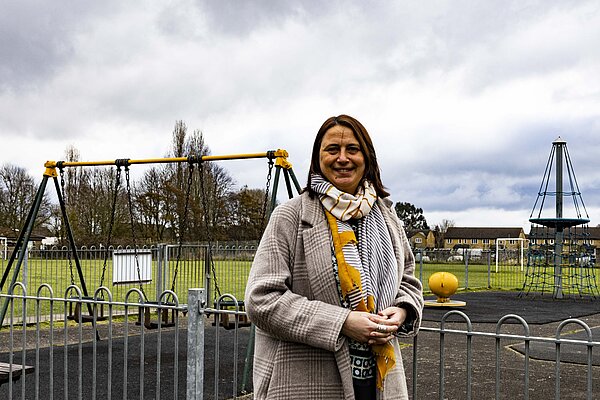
(381, 329)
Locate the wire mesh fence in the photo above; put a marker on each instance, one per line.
(150, 269)
(474, 268)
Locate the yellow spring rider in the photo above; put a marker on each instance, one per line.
(443, 285)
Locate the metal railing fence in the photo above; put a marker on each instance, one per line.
(180, 354)
(112, 355)
(496, 377)
(172, 269)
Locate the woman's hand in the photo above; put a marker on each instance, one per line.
(394, 316)
(371, 328)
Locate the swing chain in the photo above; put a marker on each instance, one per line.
(208, 232)
(62, 183)
(266, 199)
(111, 222)
(133, 237)
(69, 250)
(183, 225)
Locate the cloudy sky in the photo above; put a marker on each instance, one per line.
(462, 98)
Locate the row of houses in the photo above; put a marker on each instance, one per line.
(487, 238)
(484, 238)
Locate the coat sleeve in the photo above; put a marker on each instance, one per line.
(271, 303)
(410, 293)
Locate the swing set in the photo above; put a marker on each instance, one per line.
(276, 159)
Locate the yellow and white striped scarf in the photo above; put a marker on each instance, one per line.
(368, 270)
(341, 204)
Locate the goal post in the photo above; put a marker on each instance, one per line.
(503, 249)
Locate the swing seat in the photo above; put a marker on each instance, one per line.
(164, 317)
(17, 371)
(76, 314)
(228, 320)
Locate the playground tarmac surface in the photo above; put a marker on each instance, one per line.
(484, 310)
(536, 309)
(77, 383)
(543, 316)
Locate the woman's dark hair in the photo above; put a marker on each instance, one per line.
(372, 173)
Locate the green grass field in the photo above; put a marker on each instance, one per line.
(230, 277)
(477, 277)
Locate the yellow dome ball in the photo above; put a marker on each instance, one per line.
(443, 285)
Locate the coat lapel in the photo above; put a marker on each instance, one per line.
(317, 248)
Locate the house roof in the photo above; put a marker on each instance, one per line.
(482, 233)
(592, 232)
(37, 234)
(412, 233)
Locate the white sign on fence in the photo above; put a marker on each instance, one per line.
(125, 268)
(3, 247)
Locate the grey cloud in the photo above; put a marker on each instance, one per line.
(114, 67)
(525, 41)
(36, 38)
(460, 193)
(507, 177)
(239, 18)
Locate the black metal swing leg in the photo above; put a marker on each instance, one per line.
(20, 246)
(78, 314)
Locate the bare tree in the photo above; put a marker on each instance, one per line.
(89, 194)
(162, 194)
(153, 204)
(170, 201)
(440, 232)
(246, 214)
(208, 210)
(17, 194)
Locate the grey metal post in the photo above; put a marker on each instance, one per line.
(467, 252)
(195, 354)
(25, 264)
(558, 234)
(489, 265)
(249, 358)
(415, 367)
(163, 269)
(421, 267)
(558, 248)
(207, 275)
(559, 178)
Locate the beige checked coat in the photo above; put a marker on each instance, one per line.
(292, 297)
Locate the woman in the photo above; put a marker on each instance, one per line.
(332, 282)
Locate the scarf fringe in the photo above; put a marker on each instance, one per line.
(385, 358)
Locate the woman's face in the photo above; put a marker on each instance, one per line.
(341, 159)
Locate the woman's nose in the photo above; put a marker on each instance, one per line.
(342, 156)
